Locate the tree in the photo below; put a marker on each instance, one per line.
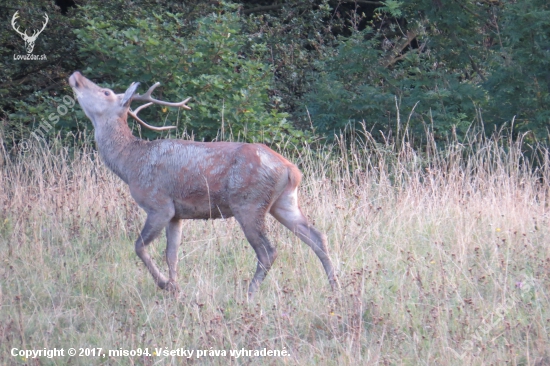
(519, 83)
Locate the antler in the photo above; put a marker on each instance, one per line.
(147, 98)
(36, 33)
(134, 115)
(13, 19)
(25, 35)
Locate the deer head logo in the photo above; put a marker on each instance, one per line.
(29, 40)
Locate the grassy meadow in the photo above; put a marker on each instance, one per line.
(443, 256)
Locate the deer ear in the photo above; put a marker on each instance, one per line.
(127, 98)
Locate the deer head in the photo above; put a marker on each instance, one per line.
(102, 104)
(29, 40)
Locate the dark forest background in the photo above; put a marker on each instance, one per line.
(289, 70)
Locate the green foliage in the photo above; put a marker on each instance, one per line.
(519, 84)
(206, 61)
(356, 86)
(392, 7)
(297, 36)
(29, 88)
(266, 71)
(447, 61)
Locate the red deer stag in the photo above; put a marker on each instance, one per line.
(174, 180)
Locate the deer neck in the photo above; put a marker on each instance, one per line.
(117, 146)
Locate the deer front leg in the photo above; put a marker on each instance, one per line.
(153, 226)
(173, 238)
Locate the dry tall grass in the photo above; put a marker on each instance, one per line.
(443, 259)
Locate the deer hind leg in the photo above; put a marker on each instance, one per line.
(253, 226)
(288, 213)
(156, 221)
(173, 239)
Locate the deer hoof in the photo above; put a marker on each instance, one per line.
(170, 286)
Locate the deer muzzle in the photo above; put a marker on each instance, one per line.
(75, 80)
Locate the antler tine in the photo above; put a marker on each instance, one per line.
(149, 91)
(14, 25)
(142, 107)
(134, 115)
(148, 98)
(36, 33)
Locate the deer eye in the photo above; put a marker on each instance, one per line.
(107, 93)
